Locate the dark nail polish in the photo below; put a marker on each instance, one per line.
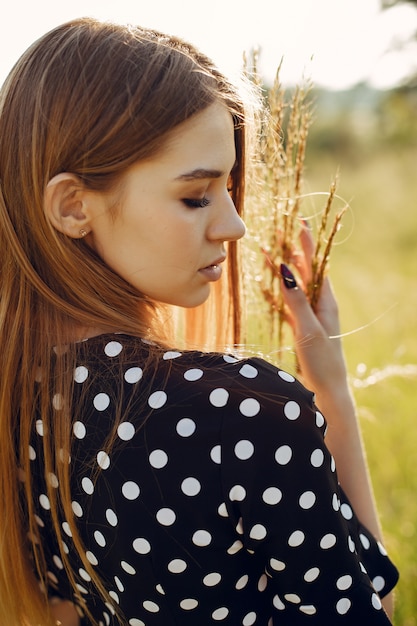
(287, 277)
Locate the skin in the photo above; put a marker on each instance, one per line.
(174, 213)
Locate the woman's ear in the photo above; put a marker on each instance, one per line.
(66, 206)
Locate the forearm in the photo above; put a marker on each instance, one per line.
(345, 442)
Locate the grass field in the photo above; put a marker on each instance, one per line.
(374, 271)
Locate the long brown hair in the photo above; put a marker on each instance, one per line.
(88, 98)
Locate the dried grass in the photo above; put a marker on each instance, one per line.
(277, 200)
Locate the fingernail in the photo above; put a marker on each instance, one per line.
(305, 223)
(287, 277)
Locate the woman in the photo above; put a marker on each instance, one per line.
(145, 482)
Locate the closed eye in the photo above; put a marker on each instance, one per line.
(196, 203)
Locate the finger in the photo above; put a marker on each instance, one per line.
(304, 320)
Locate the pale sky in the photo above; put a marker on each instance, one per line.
(336, 43)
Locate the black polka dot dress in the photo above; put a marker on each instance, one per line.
(217, 504)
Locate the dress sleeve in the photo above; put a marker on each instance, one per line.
(282, 494)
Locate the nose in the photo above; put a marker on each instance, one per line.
(226, 225)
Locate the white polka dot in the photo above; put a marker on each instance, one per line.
(365, 541)
(136, 622)
(186, 427)
(248, 371)
(244, 449)
(201, 538)
(296, 538)
(344, 582)
(216, 454)
(376, 602)
(119, 584)
(210, 580)
(277, 565)
(103, 460)
(333, 465)
(381, 548)
(258, 532)
(293, 598)
(235, 547)
(158, 459)
(220, 614)
(343, 606)
(262, 583)
(249, 619)
(190, 486)
(40, 427)
(272, 495)
(193, 374)
(32, 453)
(91, 557)
(307, 500)
(79, 430)
(141, 545)
(285, 376)
(378, 583)
(44, 502)
(283, 455)
(130, 490)
(157, 399)
(319, 419)
(335, 502)
(53, 480)
(311, 574)
(317, 458)
(84, 575)
(242, 582)
(249, 407)
(101, 401)
(237, 493)
(39, 521)
(188, 604)
(228, 358)
(58, 402)
(80, 374)
(87, 485)
(133, 375)
(328, 541)
(150, 606)
(66, 528)
(128, 568)
(171, 354)
(222, 510)
(113, 348)
(219, 397)
(239, 526)
(292, 410)
(346, 511)
(100, 539)
(177, 566)
(58, 563)
(308, 609)
(351, 544)
(111, 517)
(126, 431)
(77, 509)
(278, 604)
(166, 517)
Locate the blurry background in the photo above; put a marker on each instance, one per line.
(361, 56)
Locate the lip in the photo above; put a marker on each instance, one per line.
(213, 271)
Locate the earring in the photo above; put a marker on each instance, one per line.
(83, 232)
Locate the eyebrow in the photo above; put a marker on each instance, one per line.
(199, 174)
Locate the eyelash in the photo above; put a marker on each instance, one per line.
(198, 203)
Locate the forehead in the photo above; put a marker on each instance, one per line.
(205, 139)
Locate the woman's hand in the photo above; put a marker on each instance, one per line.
(63, 611)
(316, 333)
